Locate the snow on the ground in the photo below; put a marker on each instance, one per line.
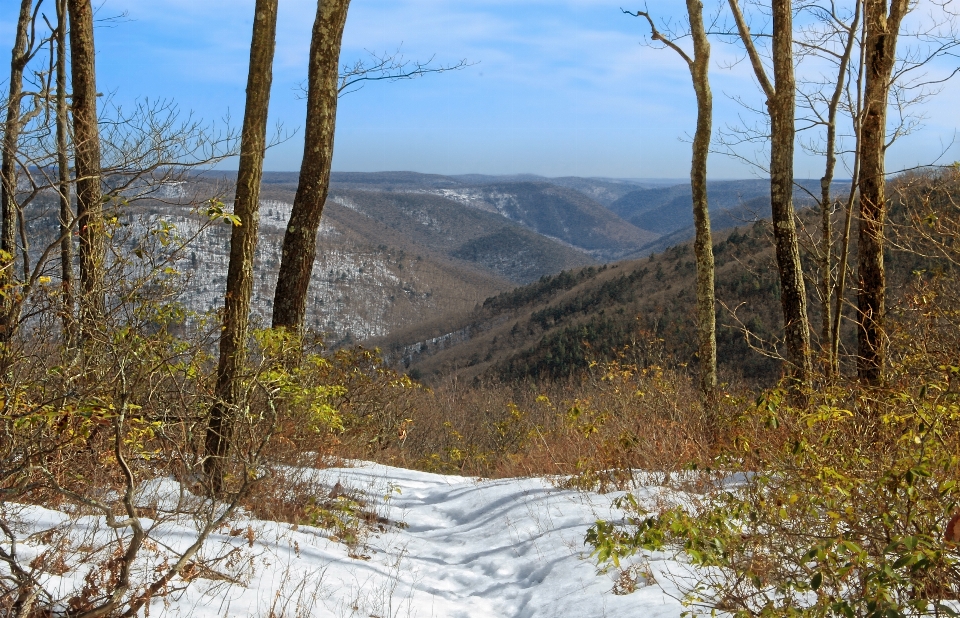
(452, 547)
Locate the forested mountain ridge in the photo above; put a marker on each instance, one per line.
(557, 326)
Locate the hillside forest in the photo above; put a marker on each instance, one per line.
(779, 354)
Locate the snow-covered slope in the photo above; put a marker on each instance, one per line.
(448, 547)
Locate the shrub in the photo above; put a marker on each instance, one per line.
(837, 509)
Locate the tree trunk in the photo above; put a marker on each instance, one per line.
(703, 243)
(880, 45)
(699, 65)
(8, 174)
(841, 287)
(300, 238)
(793, 295)
(781, 103)
(63, 170)
(827, 344)
(86, 142)
(243, 242)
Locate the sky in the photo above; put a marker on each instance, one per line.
(553, 87)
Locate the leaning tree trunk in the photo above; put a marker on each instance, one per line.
(8, 173)
(243, 242)
(86, 143)
(300, 238)
(881, 47)
(63, 171)
(781, 103)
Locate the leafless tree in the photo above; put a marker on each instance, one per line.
(63, 171)
(300, 239)
(781, 103)
(882, 29)
(86, 137)
(243, 241)
(833, 43)
(24, 48)
(324, 87)
(389, 66)
(699, 65)
(834, 38)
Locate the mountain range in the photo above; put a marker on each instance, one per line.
(399, 249)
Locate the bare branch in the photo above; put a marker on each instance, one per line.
(389, 67)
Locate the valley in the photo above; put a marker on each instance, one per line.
(402, 251)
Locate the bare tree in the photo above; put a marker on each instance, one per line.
(86, 136)
(882, 29)
(781, 104)
(23, 49)
(835, 39)
(856, 112)
(324, 87)
(243, 240)
(63, 172)
(300, 238)
(389, 66)
(699, 65)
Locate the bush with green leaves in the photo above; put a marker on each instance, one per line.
(837, 509)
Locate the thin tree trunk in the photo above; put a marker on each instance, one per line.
(781, 103)
(840, 292)
(880, 44)
(826, 202)
(86, 141)
(826, 265)
(300, 238)
(63, 165)
(699, 66)
(243, 242)
(703, 243)
(8, 174)
(842, 268)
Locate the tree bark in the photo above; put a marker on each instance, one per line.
(63, 171)
(781, 104)
(841, 287)
(243, 242)
(827, 345)
(86, 142)
(300, 238)
(880, 45)
(703, 243)
(699, 65)
(9, 207)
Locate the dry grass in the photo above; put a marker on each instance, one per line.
(598, 427)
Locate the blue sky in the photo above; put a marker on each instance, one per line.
(559, 87)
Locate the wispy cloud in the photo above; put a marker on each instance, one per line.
(559, 86)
